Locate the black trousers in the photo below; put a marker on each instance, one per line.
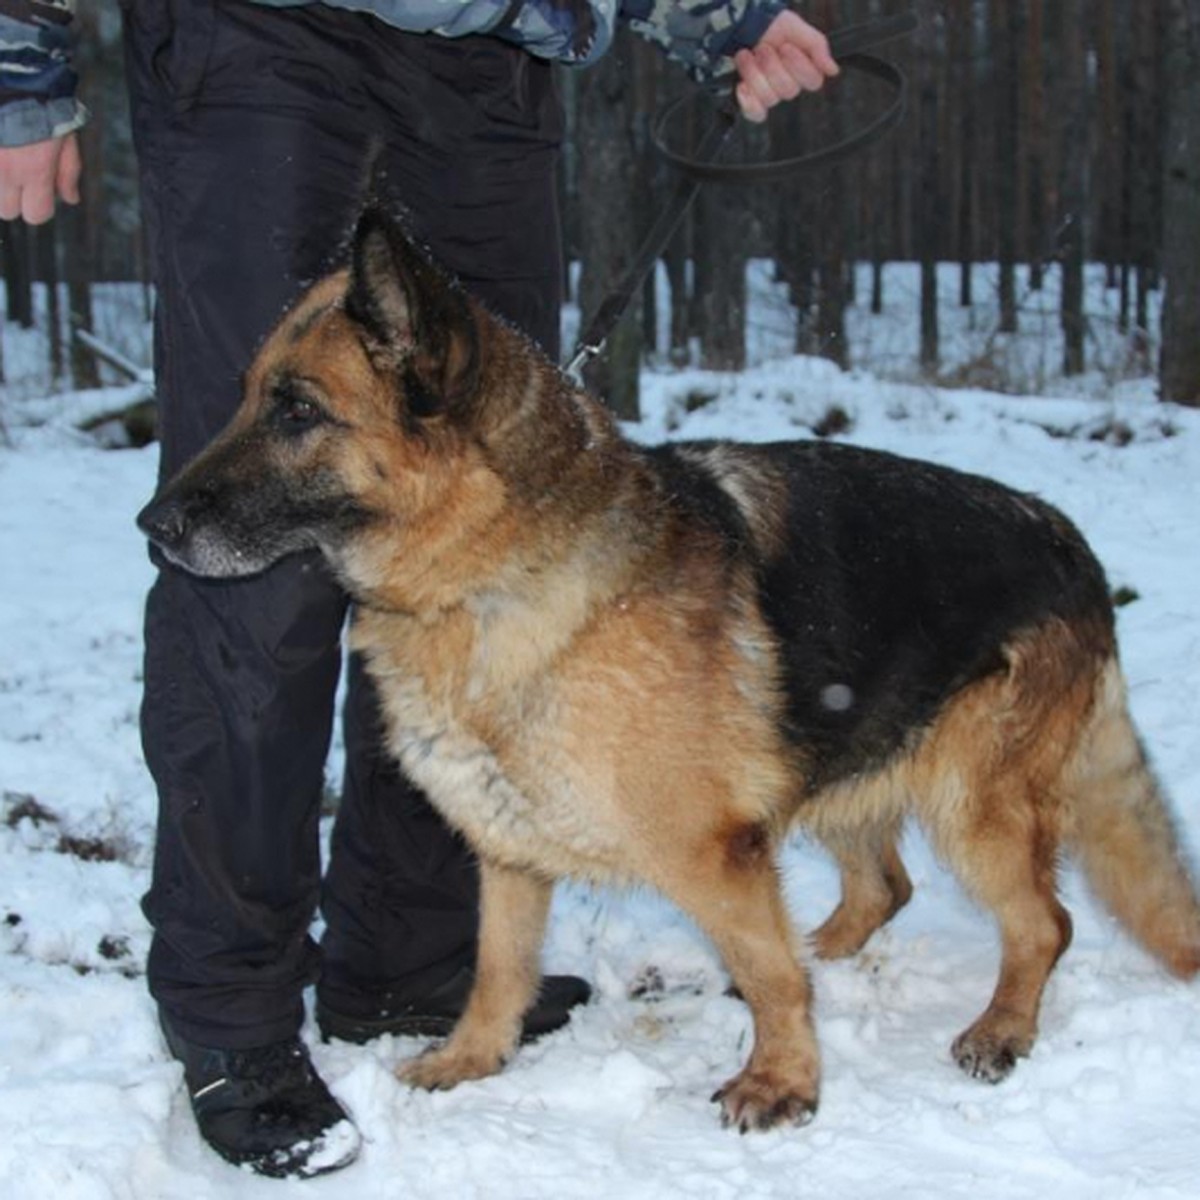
(252, 126)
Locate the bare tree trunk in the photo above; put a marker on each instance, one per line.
(1005, 24)
(928, 208)
(1035, 104)
(677, 254)
(803, 289)
(831, 273)
(831, 315)
(793, 224)
(961, 40)
(18, 276)
(873, 208)
(795, 261)
(608, 221)
(1179, 370)
(1149, 128)
(1073, 191)
(85, 372)
(1128, 151)
(78, 223)
(720, 283)
(676, 259)
(1110, 164)
(648, 65)
(47, 256)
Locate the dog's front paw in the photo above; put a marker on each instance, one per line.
(758, 1099)
(444, 1067)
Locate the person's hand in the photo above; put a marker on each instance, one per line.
(33, 176)
(790, 58)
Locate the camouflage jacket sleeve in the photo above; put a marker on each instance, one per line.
(702, 35)
(37, 85)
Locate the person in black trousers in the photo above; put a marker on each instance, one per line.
(253, 124)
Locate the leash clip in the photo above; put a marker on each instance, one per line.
(583, 355)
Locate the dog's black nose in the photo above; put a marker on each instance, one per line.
(163, 522)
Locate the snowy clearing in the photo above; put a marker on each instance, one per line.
(616, 1105)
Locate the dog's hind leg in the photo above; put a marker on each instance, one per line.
(1005, 855)
(513, 909)
(990, 785)
(875, 886)
(731, 888)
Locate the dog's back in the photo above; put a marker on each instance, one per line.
(890, 584)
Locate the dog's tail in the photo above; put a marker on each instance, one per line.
(1125, 838)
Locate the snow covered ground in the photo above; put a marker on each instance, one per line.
(91, 1107)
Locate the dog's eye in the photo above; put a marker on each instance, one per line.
(300, 412)
(295, 412)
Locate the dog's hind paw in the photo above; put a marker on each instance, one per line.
(763, 1100)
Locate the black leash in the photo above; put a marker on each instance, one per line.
(847, 46)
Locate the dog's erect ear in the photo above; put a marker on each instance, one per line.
(412, 315)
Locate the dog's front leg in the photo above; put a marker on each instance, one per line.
(730, 885)
(513, 909)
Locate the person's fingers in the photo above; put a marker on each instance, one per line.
(37, 203)
(10, 203)
(759, 82)
(785, 80)
(801, 68)
(754, 93)
(769, 77)
(813, 44)
(70, 168)
(791, 57)
(32, 176)
(751, 107)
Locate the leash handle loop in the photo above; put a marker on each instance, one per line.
(847, 45)
(855, 39)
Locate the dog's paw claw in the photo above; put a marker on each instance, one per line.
(439, 1070)
(762, 1100)
(988, 1057)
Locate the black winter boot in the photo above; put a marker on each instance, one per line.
(361, 1018)
(266, 1108)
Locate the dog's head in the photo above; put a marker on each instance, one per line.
(357, 426)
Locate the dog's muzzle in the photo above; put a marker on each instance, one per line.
(183, 527)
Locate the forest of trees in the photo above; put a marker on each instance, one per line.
(1040, 135)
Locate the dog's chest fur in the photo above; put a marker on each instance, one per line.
(481, 745)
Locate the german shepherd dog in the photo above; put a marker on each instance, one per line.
(625, 664)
